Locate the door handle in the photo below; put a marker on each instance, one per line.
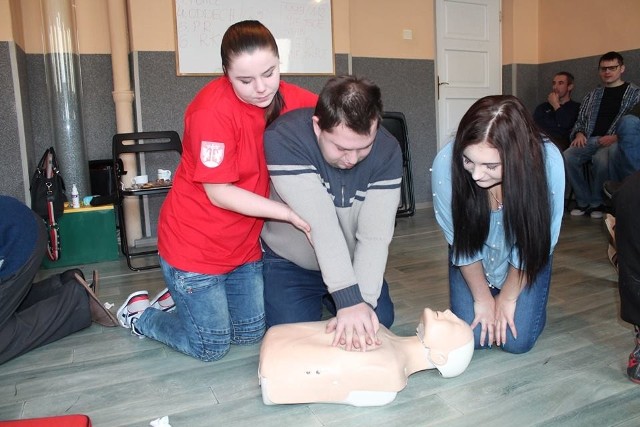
(440, 84)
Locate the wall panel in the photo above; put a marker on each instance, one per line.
(408, 86)
(11, 181)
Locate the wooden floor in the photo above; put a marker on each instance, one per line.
(575, 375)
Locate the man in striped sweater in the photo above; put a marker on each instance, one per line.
(341, 171)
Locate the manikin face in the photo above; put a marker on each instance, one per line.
(343, 148)
(255, 76)
(448, 339)
(483, 162)
(444, 330)
(562, 87)
(611, 73)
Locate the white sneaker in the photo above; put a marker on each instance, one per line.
(131, 310)
(163, 301)
(596, 212)
(578, 211)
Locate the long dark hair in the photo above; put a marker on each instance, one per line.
(505, 123)
(246, 37)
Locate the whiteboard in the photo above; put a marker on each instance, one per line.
(302, 29)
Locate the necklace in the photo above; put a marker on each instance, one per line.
(499, 208)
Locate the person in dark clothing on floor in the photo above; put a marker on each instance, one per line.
(626, 203)
(35, 314)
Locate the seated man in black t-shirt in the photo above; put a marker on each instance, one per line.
(594, 134)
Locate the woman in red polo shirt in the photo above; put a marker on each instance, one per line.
(211, 220)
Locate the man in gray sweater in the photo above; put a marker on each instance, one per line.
(340, 171)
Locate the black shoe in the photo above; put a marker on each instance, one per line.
(610, 188)
(70, 275)
(99, 313)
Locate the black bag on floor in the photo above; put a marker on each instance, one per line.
(48, 198)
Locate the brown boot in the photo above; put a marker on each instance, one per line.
(99, 314)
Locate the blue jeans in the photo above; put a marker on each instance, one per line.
(293, 294)
(588, 190)
(212, 311)
(531, 308)
(626, 159)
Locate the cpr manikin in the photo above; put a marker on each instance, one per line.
(298, 364)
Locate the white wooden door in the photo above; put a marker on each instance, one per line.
(468, 58)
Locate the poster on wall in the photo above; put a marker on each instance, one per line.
(302, 29)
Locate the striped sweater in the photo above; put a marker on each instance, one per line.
(351, 212)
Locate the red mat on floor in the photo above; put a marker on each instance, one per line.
(62, 421)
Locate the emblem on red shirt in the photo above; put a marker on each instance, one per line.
(211, 153)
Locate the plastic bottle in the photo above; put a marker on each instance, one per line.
(75, 197)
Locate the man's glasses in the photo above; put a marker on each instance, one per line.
(610, 68)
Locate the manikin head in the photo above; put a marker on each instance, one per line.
(448, 339)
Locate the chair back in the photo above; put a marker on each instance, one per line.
(142, 142)
(151, 153)
(396, 124)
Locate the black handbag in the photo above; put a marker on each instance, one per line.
(48, 198)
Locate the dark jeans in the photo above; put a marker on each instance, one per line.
(627, 203)
(626, 159)
(35, 314)
(588, 190)
(293, 294)
(531, 308)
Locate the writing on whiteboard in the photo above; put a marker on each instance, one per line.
(302, 29)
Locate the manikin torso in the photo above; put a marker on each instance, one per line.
(298, 364)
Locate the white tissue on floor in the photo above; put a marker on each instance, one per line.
(160, 422)
(108, 305)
